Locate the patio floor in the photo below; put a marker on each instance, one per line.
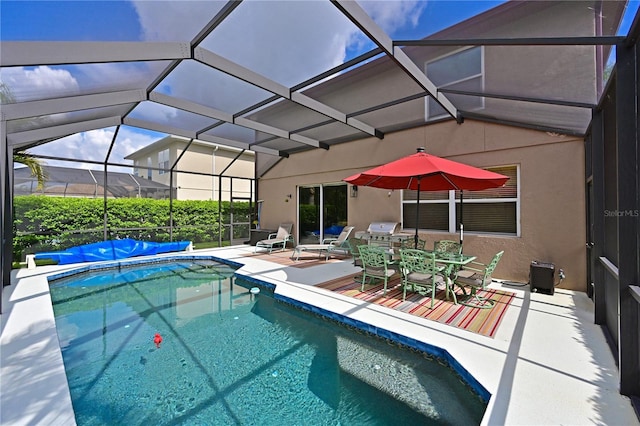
(547, 364)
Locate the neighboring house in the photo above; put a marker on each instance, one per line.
(205, 168)
(539, 215)
(70, 182)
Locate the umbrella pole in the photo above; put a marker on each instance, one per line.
(461, 217)
(415, 238)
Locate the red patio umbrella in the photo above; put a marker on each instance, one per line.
(422, 171)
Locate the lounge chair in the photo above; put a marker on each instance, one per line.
(278, 239)
(328, 246)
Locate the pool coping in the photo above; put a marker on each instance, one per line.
(515, 366)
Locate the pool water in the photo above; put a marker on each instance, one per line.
(229, 357)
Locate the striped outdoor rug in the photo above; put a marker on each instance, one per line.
(306, 260)
(481, 321)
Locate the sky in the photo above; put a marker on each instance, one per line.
(326, 34)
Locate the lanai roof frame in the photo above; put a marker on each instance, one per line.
(19, 53)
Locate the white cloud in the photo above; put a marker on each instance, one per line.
(393, 15)
(174, 20)
(116, 76)
(91, 145)
(39, 82)
(285, 41)
(130, 140)
(155, 112)
(94, 146)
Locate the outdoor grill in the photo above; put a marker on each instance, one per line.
(383, 234)
(383, 228)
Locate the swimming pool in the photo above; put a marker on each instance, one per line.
(230, 357)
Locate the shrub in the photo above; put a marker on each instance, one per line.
(56, 223)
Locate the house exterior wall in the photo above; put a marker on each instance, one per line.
(208, 159)
(551, 166)
(552, 198)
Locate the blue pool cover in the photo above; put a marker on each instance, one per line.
(111, 250)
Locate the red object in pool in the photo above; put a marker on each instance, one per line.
(157, 339)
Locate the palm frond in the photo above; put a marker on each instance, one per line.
(34, 166)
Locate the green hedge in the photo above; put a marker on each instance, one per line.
(56, 223)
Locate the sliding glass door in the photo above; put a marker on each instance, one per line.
(322, 212)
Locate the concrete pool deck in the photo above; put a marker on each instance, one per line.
(548, 363)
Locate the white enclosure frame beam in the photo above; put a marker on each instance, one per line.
(228, 118)
(24, 53)
(362, 20)
(72, 103)
(189, 106)
(162, 128)
(220, 63)
(19, 139)
(229, 142)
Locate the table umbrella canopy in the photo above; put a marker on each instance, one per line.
(427, 172)
(422, 171)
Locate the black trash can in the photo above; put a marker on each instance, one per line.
(541, 277)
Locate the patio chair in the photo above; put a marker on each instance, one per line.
(376, 264)
(410, 243)
(355, 243)
(420, 272)
(447, 247)
(328, 246)
(278, 239)
(477, 279)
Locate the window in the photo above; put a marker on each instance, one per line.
(136, 168)
(149, 170)
(495, 210)
(163, 161)
(462, 70)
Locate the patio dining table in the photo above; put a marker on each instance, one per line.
(452, 263)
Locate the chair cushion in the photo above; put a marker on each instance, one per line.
(465, 273)
(379, 272)
(475, 280)
(271, 241)
(420, 277)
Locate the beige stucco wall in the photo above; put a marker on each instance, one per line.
(207, 159)
(552, 199)
(200, 158)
